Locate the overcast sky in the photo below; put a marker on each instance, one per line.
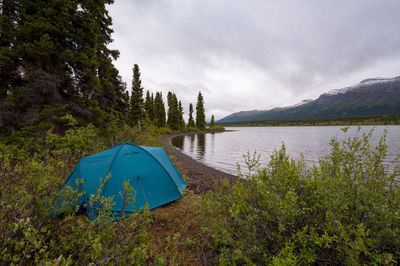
(255, 54)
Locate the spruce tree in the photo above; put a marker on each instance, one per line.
(177, 121)
(200, 112)
(173, 111)
(152, 107)
(149, 106)
(180, 116)
(111, 96)
(159, 110)
(55, 61)
(125, 107)
(212, 123)
(136, 108)
(169, 103)
(191, 121)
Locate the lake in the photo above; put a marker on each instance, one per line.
(223, 150)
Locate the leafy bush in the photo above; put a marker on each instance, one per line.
(217, 128)
(344, 210)
(31, 171)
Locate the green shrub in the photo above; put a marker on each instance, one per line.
(31, 171)
(217, 128)
(344, 210)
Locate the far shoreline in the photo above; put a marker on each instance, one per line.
(333, 125)
(373, 120)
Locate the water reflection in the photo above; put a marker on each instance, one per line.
(211, 148)
(192, 138)
(178, 142)
(201, 145)
(195, 143)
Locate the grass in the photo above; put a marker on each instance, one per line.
(176, 231)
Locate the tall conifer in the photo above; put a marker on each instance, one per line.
(136, 108)
(169, 103)
(55, 60)
(149, 106)
(212, 123)
(159, 110)
(152, 107)
(173, 111)
(180, 116)
(191, 120)
(200, 112)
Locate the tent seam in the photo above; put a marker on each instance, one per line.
(112, 161)
(159, 164)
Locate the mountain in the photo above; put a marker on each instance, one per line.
(374, 96)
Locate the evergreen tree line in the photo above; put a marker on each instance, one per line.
(54, 61)
(152, 109)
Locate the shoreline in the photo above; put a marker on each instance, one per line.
(198, 175)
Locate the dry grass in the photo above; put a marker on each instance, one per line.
(176, 233)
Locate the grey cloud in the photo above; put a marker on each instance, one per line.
(286, 49)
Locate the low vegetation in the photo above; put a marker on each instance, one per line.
(217, 128)
(343, 210)
(33, 167)
(32, 170)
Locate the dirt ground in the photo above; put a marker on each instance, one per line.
(176, 233)
(198, 176)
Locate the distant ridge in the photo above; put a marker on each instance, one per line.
(373, 96)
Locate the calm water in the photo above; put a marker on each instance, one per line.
(223, 150)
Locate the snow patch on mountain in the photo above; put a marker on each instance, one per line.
(302, 102)
(291, 106)
(363, 83)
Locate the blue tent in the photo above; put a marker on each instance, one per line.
(148, 169)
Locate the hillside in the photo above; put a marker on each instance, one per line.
(375, 96)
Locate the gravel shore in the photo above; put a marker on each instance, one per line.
(198, 176)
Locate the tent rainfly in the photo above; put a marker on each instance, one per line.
(148, 169)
